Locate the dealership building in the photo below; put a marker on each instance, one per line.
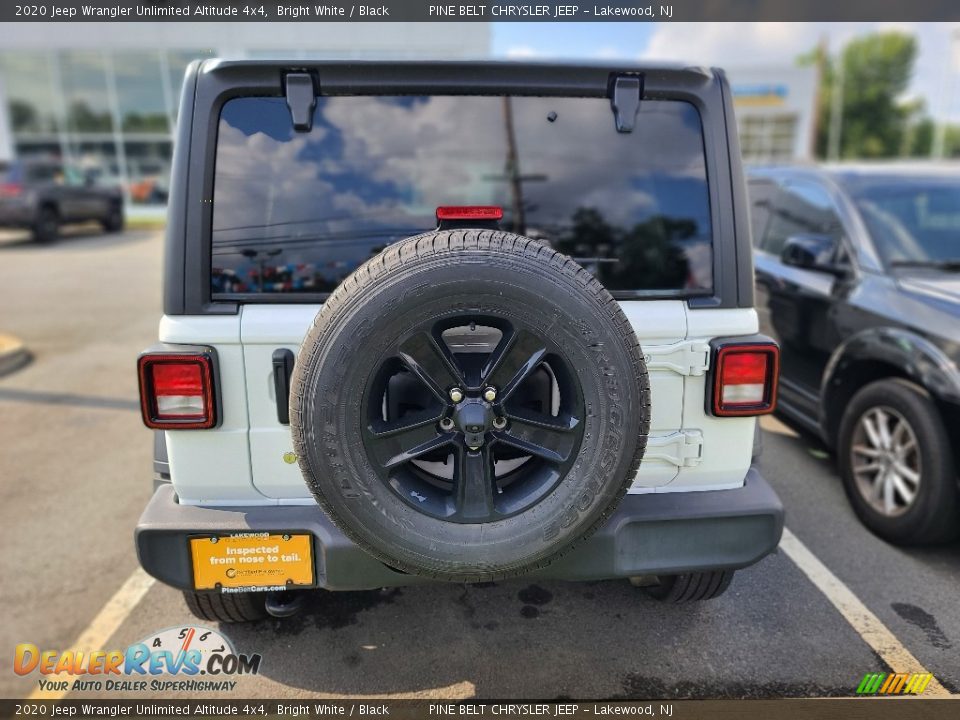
(776, 112)
(104, 95)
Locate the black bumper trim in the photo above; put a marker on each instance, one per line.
(649, 534)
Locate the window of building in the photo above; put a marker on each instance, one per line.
(31, 96)
(85, 92)
(141, 99)
(765, 138)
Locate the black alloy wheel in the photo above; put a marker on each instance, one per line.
(469, 405)
(504, 445)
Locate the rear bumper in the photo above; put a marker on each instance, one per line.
(16, 213)
(662, 533)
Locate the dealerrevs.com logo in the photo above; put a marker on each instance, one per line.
(184, 659)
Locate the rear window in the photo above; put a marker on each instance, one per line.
(298, 212)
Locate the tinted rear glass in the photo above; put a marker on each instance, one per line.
(298, 212)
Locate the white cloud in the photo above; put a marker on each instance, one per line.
(522, 51)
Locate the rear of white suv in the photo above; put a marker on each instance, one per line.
(541, 285)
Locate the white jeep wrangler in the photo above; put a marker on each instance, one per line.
(454, 322)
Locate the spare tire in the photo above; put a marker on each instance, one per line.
(469, 404)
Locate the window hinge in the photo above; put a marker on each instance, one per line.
(301, 100)
(683, 448)
(688, 357)
(625, 101)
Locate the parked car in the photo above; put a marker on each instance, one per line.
(370, 375)
(42, 195)
(858, 277)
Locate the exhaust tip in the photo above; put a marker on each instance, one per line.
(283, 604)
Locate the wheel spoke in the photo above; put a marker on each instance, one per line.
(906, 493)
(872, 433)
(866, 451)
(474, 480)
(883, 428)
(889, 504)
(405, 439)
(907, 473)
(432, 364)
(536, 435)
(868, 468)
(514, 359)
(899, 432)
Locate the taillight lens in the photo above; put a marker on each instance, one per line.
(176, 391)
(11, 189)
(745, 379)
(469, 212)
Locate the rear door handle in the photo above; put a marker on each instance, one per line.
(282, 371)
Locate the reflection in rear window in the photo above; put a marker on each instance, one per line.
(298, 212)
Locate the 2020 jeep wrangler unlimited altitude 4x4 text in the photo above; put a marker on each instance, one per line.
(454, 321)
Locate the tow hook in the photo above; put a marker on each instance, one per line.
(283, 604)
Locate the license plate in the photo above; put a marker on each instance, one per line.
(256, 561)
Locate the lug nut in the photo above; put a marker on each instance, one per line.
(490, 394)
(446, 423)
(499, 423)
(456, 395)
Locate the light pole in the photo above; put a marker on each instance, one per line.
(938, 147)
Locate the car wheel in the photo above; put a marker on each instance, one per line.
(897, 464)
(46, 228)
(690, 587)
(232, 608)
(114, 220)
(469, 405)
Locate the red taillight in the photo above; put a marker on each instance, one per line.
(469, 212)
(10, 189)
(745, 379)
(176, 391)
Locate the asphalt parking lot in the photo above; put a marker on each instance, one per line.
(75, 472)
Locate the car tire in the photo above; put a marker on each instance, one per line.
(232, 608)
(922, 447)
(114, 221)
(386, 321)
(690, 587)
(46, 227)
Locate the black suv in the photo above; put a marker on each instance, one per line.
(857, 276)
(44, 194)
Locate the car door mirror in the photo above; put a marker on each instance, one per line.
(812, 252)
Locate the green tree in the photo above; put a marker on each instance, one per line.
(876, 72)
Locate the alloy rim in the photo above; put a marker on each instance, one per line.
(478, 436)
(885, 458)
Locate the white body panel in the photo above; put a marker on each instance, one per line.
(241, 462)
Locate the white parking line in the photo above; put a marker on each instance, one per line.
(867, 625)
(105, 624)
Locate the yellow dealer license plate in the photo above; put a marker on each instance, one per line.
(258, 561)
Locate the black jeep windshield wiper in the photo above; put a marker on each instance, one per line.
(952, 264)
